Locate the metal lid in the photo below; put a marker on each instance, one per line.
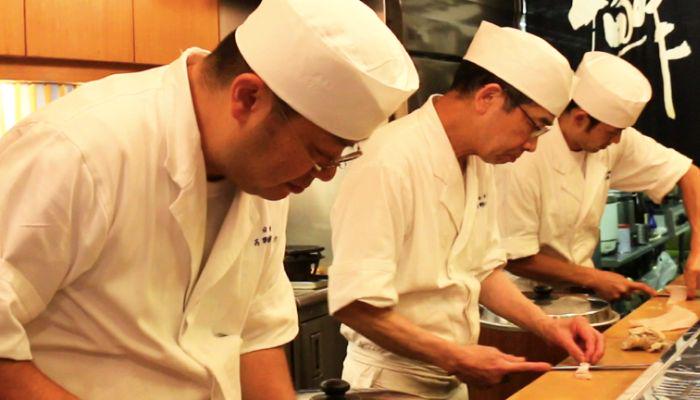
(295, 250)
(558, 305)
(337, 389)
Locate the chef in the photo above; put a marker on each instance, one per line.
(552, 200)
(140, 251)
(415, 236)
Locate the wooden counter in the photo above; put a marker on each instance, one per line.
(605, 384)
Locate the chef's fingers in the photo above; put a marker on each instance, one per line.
(512, 358)
(643, 287)
(568, 343)
(585, 333)
(528, 366)
(600, 348)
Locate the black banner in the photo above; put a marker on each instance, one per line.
(660, 37)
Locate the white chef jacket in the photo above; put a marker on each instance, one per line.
(104, 202)
(544, 199)
(408, 234)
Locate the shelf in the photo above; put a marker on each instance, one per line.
(617, 260)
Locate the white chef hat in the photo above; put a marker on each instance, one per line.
(526, 62)
(333, 61)
(610, 89)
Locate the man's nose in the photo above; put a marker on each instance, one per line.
(530, 145)
(325, 174)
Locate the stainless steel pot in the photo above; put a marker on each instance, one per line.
(559, 305)
(338, 389)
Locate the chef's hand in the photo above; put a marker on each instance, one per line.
(583, 342)
(484, 365)
(612, 286)
(692, 273)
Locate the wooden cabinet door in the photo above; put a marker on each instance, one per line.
(318, 352)
(163, 29)
(99, 30)
(12, 27)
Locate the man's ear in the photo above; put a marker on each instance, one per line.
(487, 96)
(250, 98)
(580, 118)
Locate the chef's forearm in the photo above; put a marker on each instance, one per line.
(22, 380)
(395, 333)
(265, 375)
(546, 268)
(500, 295)
(690, 186)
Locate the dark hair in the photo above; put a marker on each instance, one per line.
(592, 121)
(471, 77)
(226, 62)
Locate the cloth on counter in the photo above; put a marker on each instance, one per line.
(676, 317)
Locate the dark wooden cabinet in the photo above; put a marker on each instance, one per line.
(318, 351)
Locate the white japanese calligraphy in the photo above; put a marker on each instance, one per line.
(618, 30)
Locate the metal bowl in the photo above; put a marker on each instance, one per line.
(597, 311)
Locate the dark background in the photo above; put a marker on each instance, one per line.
(549, 20)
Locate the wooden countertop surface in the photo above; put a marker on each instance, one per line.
(605, 385)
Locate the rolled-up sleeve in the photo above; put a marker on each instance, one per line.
(518, 209)
(51, 227)
(369, 220)
(643, 164)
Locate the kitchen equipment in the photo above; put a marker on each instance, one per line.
(601, 367)
(675, 217)
(558, 305)
(676, 376)
(498, 332)
(624, 239)
(641, 233)
(626, 207)
(338, 389)
(436, 33)
(301, 262)
(665, 293)
(608, 227)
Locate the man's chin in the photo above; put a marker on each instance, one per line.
(274, 196)
(273, 193)
(281, 191)
(503, 159)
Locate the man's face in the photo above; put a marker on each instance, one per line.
(598, 137)
(512, 132)
(280, 156)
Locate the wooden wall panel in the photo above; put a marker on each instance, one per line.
(162, 29)
(12, 27)
(99, 30)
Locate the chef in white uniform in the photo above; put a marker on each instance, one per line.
(140, 251)
(552, 200)
(415, 236)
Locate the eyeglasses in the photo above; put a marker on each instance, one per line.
(537, 130)
(351, 153)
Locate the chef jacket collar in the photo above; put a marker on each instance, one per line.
(443, 159)
(560, 154)
(184, 148)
